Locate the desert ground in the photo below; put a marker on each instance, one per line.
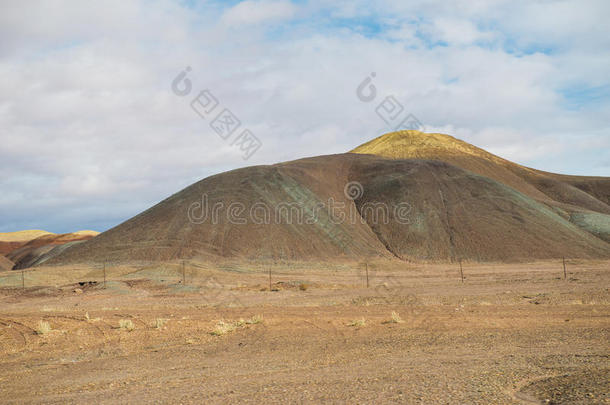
(189, 332)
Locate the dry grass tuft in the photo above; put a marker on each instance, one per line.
(89, 319)
(255, 319)
(159, 323)
(42, 328)
(358, 323)
(395, 318)
(126, 324)
(222, 327)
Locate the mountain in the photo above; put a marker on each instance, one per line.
(10, 241)
(405, 195)
(584, 201)
(41, 246)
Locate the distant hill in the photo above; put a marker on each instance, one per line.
(26, 252)
(10, 241)
(23, 236)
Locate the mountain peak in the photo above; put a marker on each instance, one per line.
(570, 192)
(412, 144)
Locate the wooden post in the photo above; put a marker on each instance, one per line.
(366, 265)
(104, 273)
(22, 279)
(461, 271)
(183, 274)
(565, 273)
(269, 278)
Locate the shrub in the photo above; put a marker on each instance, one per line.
(43, 328)
(126, 324)
(222, 328)
(358, 322)
(158, 324)
(395, 318)
(255, 319)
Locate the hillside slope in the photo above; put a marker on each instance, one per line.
(5, 264)
(583, 200)
(10, 241)
(45, 246)
(434, 211)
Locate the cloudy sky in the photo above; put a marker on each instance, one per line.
(91, 132)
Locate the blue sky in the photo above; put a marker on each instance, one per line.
(92, 134)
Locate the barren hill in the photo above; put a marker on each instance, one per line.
(583, 200)
(461, 203)
(10, 241)
(592, 193)
(44, 246)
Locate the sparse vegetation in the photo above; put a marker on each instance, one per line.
(358, 323)
(43, 328)
(303, 287)
(395, 318)
(159, 323)
(126, 324)
(89, 319)
(361, 301)
(174, 335)
(255, 319)
(223, 327)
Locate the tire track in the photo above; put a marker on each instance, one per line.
(79, 323)
(19, 330)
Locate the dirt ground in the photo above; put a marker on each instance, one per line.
(507, 334)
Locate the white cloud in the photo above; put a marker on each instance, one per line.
(88, 121)
(457, 31)
(258, 11)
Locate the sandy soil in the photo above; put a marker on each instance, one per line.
(508, 334)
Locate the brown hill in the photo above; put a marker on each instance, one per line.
(5, 264)
(585, 201)
(10, 241)
(406, 208)
(41, 248)
(23, 236)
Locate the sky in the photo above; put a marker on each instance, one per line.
(96, 126)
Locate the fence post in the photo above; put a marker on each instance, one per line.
(367, 274)
(461, 271)
(565, 273)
